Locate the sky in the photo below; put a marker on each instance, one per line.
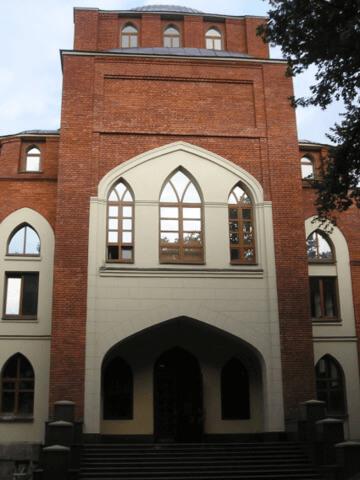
(33, 31)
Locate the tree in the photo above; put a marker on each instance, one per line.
(326, 33)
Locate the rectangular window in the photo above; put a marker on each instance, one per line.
(21, 295)
(323, 297)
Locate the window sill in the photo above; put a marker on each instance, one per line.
(19, 320)
(327, 321)
(22, 258)
(15, 419)
(31, 171)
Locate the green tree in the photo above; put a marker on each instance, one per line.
(326, 33)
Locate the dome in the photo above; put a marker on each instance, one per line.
(165, 8)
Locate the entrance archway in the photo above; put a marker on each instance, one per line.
(178, 397)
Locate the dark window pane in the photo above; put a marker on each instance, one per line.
(10, 370)
(233, 213)
(235, 254)
(113, 252)
(30, 294)
(8, 402)
(246, 213)
(329, 297)
(234, 226)
(26, 370)
(25, 402)
(315, 298)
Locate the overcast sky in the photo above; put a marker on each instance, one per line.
(33, 31)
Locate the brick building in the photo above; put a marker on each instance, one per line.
(159, 264)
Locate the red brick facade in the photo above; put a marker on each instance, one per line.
(116, 107)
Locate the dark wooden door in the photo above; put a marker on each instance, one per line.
(178, 397)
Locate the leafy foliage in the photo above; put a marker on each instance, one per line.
(326, 33)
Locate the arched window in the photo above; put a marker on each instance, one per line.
(235, 391)
(241, 228)
(307, 169)
(171, 37)
(118, 390)
(213, 39)
(129, 36)
(24, 241)
(33, 159)
(17, 387)
(330, 385)
(319, 248)
(120, 224)
(181, 232)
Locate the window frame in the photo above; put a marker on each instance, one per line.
(172, 36)
(328, 379)
(14, 232)
(120, 204)
(18, 357)
(213, 39)
(25, 156)
(323, 318)
(322, 261)
(241, 247)
(20, 316)
(182, 259)
(129, 35)
(309, 160)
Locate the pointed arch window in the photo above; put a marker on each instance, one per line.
(24, 241)
(319, 248)
(33, 159)
(17, 387)
(213, 39)
(181, 227)
(171, 37)
(118, 391)
(129, 36)
(235, 391)
(307, 169)
(330, 385)
(120, 224)
(241, 227)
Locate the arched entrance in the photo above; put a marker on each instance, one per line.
(178, 397)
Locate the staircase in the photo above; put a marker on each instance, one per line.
(212, 461)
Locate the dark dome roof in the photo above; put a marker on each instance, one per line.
(165, 8)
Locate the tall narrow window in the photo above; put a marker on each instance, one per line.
(330, 385)
(21, 295)
(307, 169)
(32, 160)
(118, 390)
(241, 228)
(129, 37)
(24, 241)
(213, 39)
(235, 391)
(17, 387)
(120, 226)
(181, 237)
(171, 37)
(323, 298)
(319, 248)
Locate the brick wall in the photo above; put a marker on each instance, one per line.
(100, 31)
